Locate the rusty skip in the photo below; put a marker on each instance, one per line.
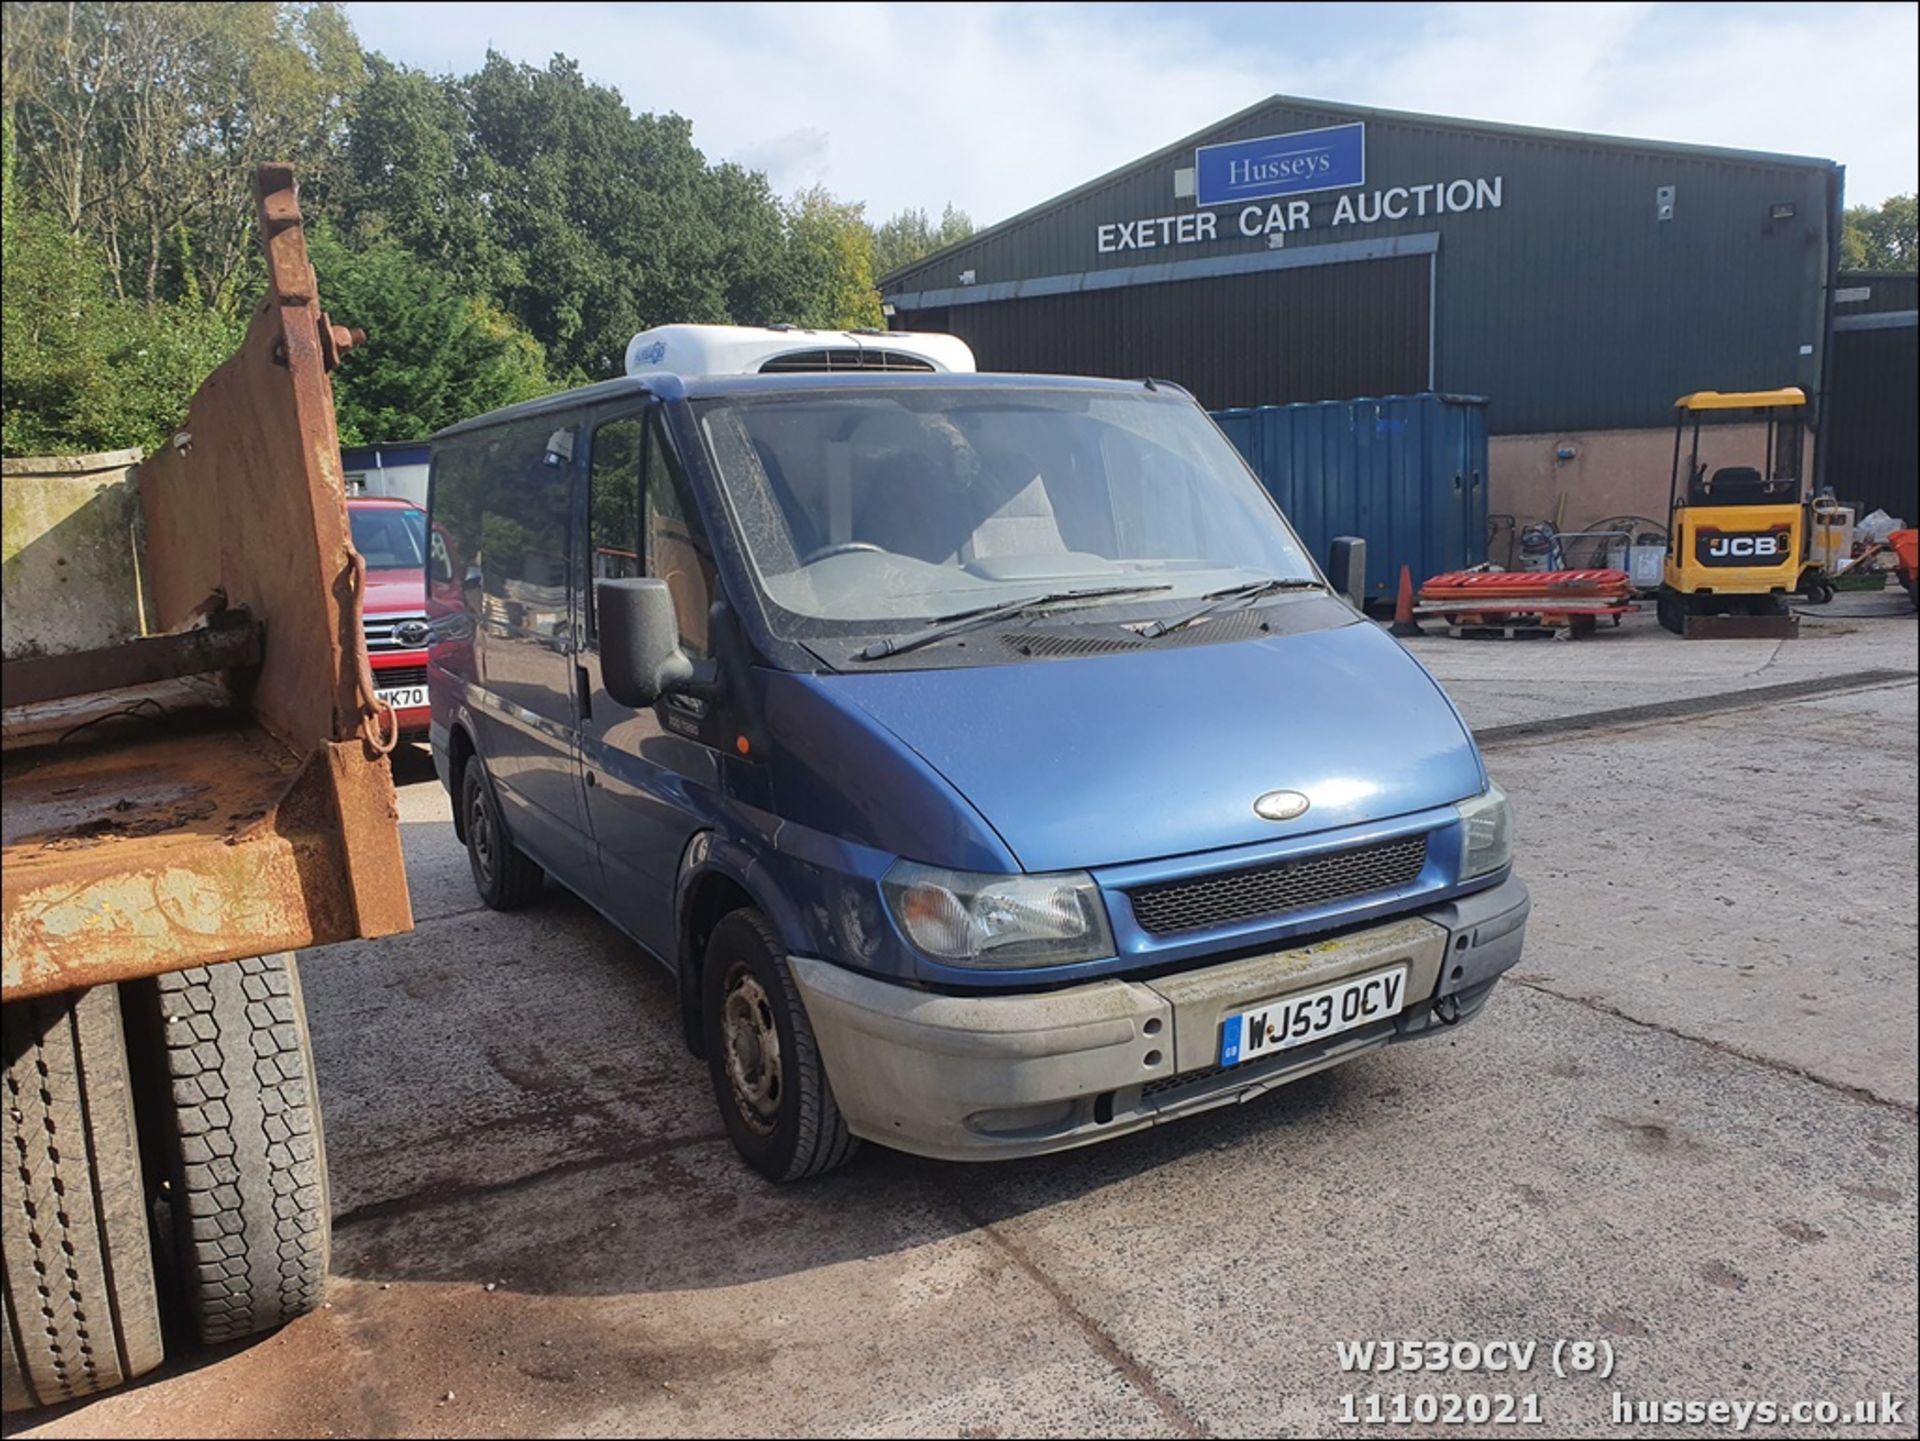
(247, 811)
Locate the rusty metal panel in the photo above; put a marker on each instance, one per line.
(185, 849)
(247, 500)
(231, 641)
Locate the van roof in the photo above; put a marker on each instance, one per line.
(668, 386)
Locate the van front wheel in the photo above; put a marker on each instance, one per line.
(766, 1069)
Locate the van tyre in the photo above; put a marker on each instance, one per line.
(79, 1307)
(245, 1216)
(765, 1064)
(502, 873)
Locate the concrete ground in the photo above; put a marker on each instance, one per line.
(1685, 1127)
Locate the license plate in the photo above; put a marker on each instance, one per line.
(1289, 1021)
(403, 697)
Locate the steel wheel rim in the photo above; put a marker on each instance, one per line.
(481, 832)
(751, 1045)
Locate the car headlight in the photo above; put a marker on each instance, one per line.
(987, 920)
(1487, 821)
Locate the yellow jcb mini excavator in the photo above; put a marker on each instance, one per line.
(1735, 536)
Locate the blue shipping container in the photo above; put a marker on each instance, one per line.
(1408, 473)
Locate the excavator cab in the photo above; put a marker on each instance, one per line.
(1735, 532)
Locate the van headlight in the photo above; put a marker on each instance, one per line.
(1487, 821)
(985, 920)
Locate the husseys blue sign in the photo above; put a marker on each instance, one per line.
(1329, 159)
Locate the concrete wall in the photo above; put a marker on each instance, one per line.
(69, 553)
(1612, 473)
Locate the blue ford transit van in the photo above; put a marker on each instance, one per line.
(982, 753)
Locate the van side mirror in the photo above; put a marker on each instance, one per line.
(640, 655)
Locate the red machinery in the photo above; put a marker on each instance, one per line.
(1510, 601)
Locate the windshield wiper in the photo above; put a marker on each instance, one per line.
(1219, 599)
(942, 626)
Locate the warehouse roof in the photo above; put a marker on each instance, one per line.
(1186, 144)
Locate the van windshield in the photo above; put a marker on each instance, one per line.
(900, 504)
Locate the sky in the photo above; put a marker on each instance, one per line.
(995, 108)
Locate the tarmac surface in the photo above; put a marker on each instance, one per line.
(1684, 1130)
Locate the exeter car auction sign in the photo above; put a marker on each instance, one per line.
(1267, 183)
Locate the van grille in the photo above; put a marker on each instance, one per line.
(398, 676)
(847, 358)
(395, 630)
(1228, 897)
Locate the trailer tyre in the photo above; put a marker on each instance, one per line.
(238, 1119)
(503, 874)
(78, 1307)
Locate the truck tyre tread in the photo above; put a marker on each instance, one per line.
(249, 1205)
(811, 1137)
(79, 1307)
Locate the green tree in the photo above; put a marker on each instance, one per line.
(1883, 237)
(586, 222)
(833, 260)
(82, 369)
(911, 235)
(434, 354)
(139, 126)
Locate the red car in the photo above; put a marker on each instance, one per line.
(391, 535)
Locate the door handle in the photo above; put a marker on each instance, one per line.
(584, 688)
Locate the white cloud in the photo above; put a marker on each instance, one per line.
(998, 107)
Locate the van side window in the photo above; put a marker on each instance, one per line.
(613, 505)
(523, 533)
(676, 548)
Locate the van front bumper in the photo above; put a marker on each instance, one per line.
(970, 1078)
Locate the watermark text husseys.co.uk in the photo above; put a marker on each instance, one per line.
(1882, 1410)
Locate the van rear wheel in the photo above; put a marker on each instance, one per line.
(767, 1075)
(503, 874)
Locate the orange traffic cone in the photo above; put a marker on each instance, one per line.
(1403, 621)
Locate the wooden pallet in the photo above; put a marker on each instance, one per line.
(1571, 629)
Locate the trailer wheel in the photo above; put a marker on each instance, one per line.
(245, 1214)
(78, 1307)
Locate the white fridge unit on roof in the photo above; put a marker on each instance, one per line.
(784, 349)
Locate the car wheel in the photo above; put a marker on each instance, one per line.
(767, 1075)
(502, 873)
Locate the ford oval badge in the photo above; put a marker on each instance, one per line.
(1280, 805)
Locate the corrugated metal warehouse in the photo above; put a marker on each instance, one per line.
(1308, 251)
(1873, 432)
